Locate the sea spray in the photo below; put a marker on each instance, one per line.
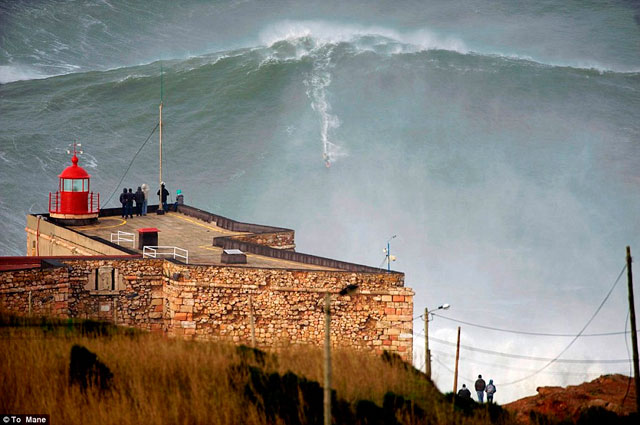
(317, 82)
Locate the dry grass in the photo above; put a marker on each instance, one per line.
(168, 381)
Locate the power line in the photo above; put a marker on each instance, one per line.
(555, 359)
(131, 163)
(523, 357)
(504, 366)
(526, 332)
(447, 368)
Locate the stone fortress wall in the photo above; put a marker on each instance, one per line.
(215, 302)
(88, 277)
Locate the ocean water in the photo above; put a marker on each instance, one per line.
(499, 140)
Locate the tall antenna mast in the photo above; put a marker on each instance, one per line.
(160, 205)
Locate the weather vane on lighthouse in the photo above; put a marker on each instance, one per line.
(75, 151)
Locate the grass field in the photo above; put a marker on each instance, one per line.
(157, 380)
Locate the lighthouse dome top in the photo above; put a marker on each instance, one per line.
(74, 171)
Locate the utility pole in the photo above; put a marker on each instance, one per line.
(327, 358)
(634, 335)
(455, 375)
(160, 206)
(427, 352)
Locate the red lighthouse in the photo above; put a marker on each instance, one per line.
(73, 204)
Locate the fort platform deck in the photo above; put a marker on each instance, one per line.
(189, 233)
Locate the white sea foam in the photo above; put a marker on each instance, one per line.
(309, 35)
(11, 73)
(89, 161)
(319, 33)
(317, 83)
(3, 157)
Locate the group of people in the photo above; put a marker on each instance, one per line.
(481, 388)
(164, 193)
(141, 198)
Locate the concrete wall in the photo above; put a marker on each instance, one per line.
(278, 240)
(48, 239)
(212, 302)
(275, 237)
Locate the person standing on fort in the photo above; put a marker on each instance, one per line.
(165, 193)
(464, 392)
(490, 390)
(145, 191)
(130, 198)
(123, 200)
(139, 198)
(179, 200)
(480, 387)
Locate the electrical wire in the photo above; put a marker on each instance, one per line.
(131, 163)
(447, 368)
(523, 357)
(525, 332)
(555, 359)
(504, 366)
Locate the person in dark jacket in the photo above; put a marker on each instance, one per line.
(165, 193)
(139, 198)
(130, 198)
(480, 386)
(464, 392)
(123, 201)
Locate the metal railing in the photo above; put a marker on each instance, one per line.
(172, 251)
(123, 237)
(94, 202)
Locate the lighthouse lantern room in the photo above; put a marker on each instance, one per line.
(73, 204)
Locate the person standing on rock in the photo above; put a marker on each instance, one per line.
(480, 387)
(464, 392)
(490, 390)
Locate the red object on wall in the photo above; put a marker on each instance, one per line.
(73, 199)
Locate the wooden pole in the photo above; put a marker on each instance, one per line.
(634, 335)
(455, 375)
(252, 323)
(427, 352)
(29, 303)
(327, 359)
(160, 206)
